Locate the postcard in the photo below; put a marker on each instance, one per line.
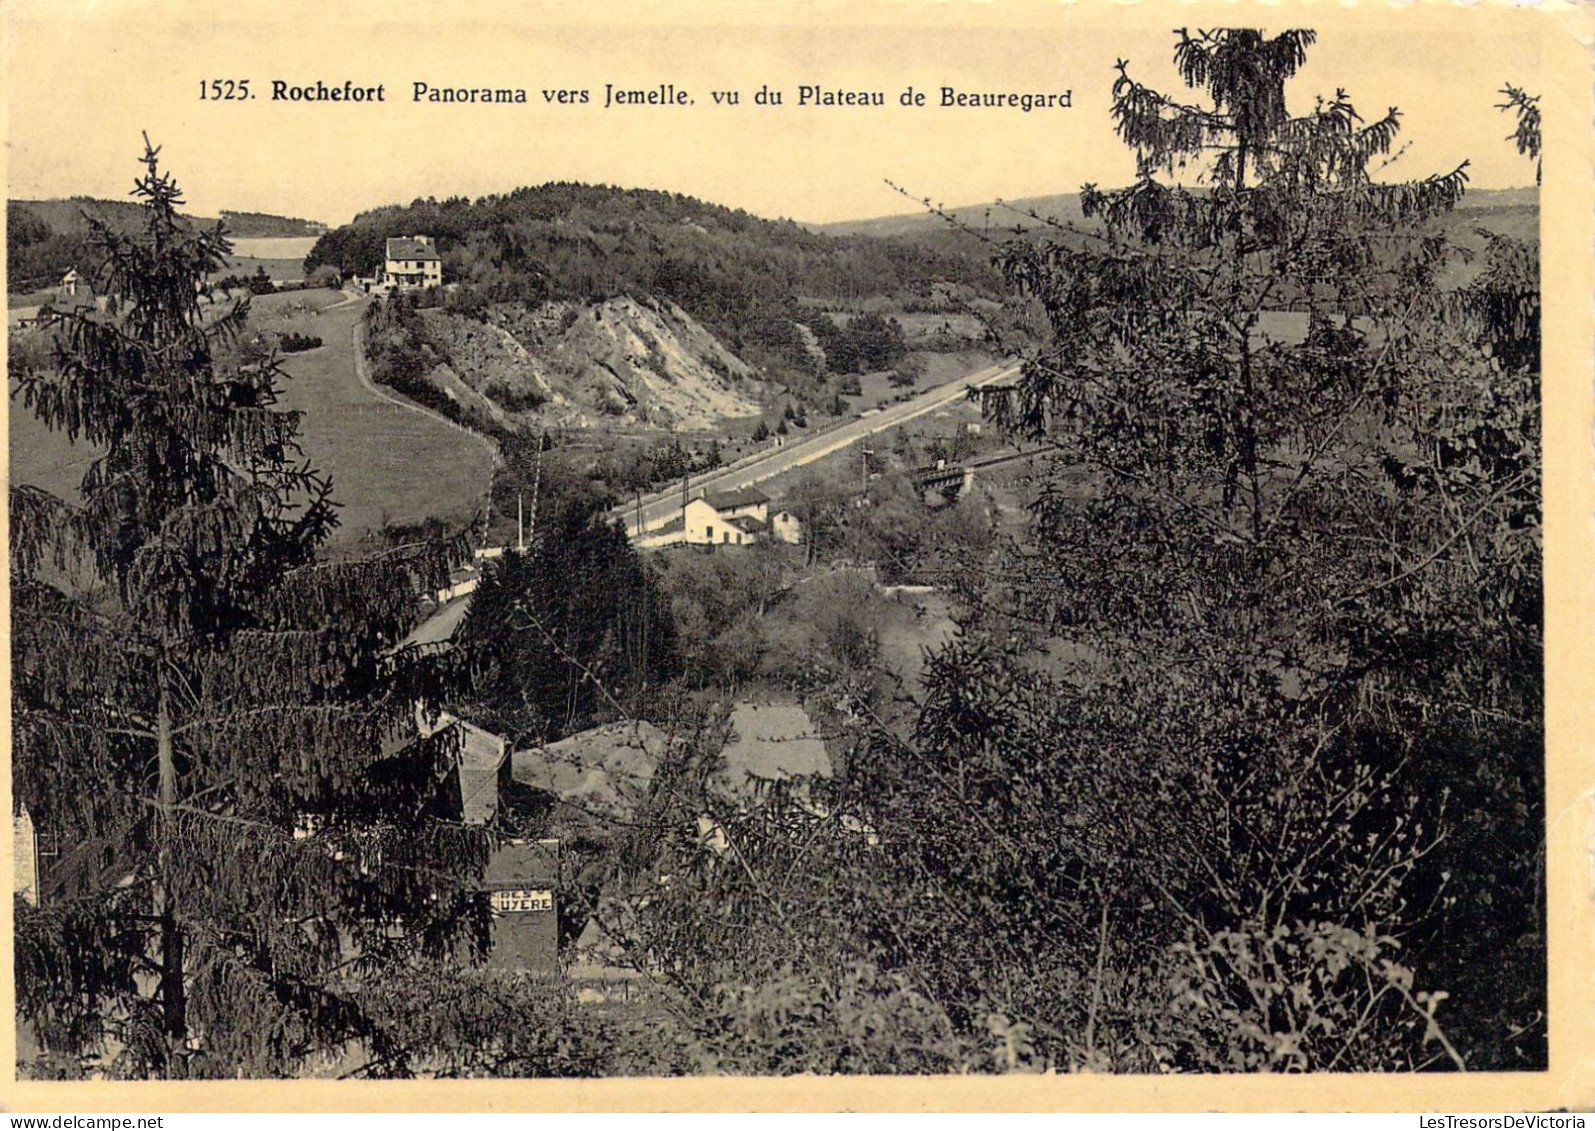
(799, 556)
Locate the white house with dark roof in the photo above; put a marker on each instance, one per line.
(727, 518)
(74, 292)
(412, 262)
(749, 502)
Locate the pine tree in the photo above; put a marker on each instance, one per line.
(574, 631)
(1525, 107)
(196, 689)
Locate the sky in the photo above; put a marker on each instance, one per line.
(86, 76)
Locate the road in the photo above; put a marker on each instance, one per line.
(660, 508)
(362, 373)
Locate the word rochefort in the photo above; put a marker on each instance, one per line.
(319, 91)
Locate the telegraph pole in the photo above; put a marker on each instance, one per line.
(537, 482)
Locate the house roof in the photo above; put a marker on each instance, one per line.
(405, 248)
(82, 293)
(601, 770)
(83, 298)
(731, 500)
(773, 742)
(481, 755)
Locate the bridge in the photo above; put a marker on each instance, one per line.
(944, 475)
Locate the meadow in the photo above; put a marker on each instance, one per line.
(389, 464)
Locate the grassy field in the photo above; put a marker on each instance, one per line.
(45, 459)
(280, 269)
(30, 298)
(292, 310)
(935, 370)
(388, 464)
(287, 248)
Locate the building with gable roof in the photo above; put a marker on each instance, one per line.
(74, 292)
(412, 262)
(727, 518)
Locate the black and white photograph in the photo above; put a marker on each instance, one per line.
(998, 542)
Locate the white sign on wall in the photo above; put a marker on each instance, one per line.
(522, 899)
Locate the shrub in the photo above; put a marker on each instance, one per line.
(297, 343)
(514, 400)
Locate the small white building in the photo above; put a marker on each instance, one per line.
(750, 502)
(785, 527)
(412, 262)
(74, 292)
(704, 525)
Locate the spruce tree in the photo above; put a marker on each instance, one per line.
(211, 726)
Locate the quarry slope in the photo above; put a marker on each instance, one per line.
(624, 362)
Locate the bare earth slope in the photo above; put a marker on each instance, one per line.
(628, 362)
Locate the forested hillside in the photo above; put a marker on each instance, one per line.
(747, 279)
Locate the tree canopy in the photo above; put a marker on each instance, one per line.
(1237, 760)
(572, 632)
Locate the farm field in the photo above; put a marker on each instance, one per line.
(389, 464)
(282, 257)
(17, 303)
(41, 458)
(876, 390)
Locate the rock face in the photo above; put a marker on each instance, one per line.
(625, 362)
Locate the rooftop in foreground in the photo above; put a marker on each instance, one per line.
(730, 500)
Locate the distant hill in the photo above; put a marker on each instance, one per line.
(70, 217)
(1506, 212)
(264, 225)
(992, 216)
(44, 238)
(1509, 207)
